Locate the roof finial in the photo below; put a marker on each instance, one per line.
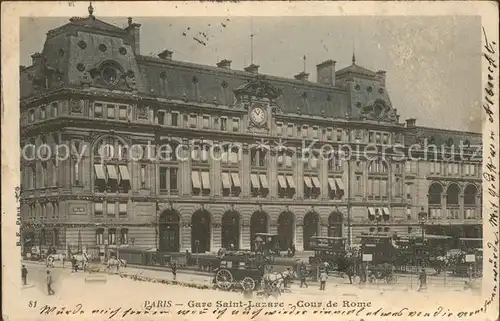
(251, 41)
(91, 10)
(305, 58)
(353, 53)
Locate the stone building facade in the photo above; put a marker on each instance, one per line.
(207, 156)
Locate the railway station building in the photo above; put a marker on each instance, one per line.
(225, 153)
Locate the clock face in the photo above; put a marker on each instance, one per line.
(258, 115)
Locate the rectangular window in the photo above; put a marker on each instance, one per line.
(122, 209)
(383, 188)
(123, 113)
(174, 119)
(289, 130)
(163, 180)
(143, 176)
(76, 172)
(112, 236)
(98, 208)
(223, 124)
(161, 118)
(193, 121)
(329, 133)
(55, 109)
(43, 115)
(339, 135)
(385, 139)
(124, 236)
(110, 209)
(262, 158)
(279, 129)
(99, 237)
(97, 110)
(305, 131)
(315, 132)
(236, 125)
(185, 120)
(206, 122)
(408, 191)
(253, 157)
(173, 180)
(358, 186)
(111, 111)
(378, 138)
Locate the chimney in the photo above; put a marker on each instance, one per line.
(410, 123)
(134, 31)
(36, 58)
(326, 72)
(165, 54)
(381, 77)
(254, 69)
(224, 63)
(304, 76)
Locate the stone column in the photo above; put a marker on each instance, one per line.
(244, 169)
(185, 168)
(216, 239)
(273, 175)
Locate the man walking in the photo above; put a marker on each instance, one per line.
(303, 274)
(174, 270)
(49, 284)
(24, 274)
(423, 280)
(322, 278)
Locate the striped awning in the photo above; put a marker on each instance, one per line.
(99, 171)
(112, 174)
(195, 179)
(226, 181)
(263, 181)
(339, 184)
(254, 179)
(236, 179)
(385, 210)
(205, 179)
(371, 211)
(331, 183)
(307, 181)
(282, 181)
(290, 181)
(124, 172)
(316, 182)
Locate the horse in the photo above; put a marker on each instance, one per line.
(82, 259)
(116, 263)
(274, 282)
(49, 262)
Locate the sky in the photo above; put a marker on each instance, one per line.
(432, 63)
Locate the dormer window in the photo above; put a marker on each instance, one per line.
(109, 75)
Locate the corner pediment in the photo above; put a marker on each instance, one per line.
(258, 87)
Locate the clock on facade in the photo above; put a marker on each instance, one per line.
(258, 114)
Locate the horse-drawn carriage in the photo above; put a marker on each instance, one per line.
(379, 254)
(268, 244)
(326, 249)
(471, 247)
(245, 269)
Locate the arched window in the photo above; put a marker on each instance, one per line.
(452, 194)
(435, 191)
(470, 195)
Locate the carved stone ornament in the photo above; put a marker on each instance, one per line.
(76, 106)
(142, 112)
(258, 87)
(358, 134)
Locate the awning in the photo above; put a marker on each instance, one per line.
(316, 182)
(124, 172)
(195, 178)
(254, 180)
(290, 181)
(339, 183)
(205, 179)
(307, 181)
(236, 179)
(385, 210)
(99, 171)
(112, 172)
(371, 211)
(282, 181)
(263, 181)
(226, 181)
(331, 183)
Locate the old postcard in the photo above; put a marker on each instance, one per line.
(250, 161)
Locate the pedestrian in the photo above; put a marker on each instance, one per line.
(49, 284)
(322, 278)
(293, 249)
(74, 264)
(24, 274)
(303, 274)
(174, 270)
(423, 280)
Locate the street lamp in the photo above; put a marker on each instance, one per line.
(197, 243)
(422, 218)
